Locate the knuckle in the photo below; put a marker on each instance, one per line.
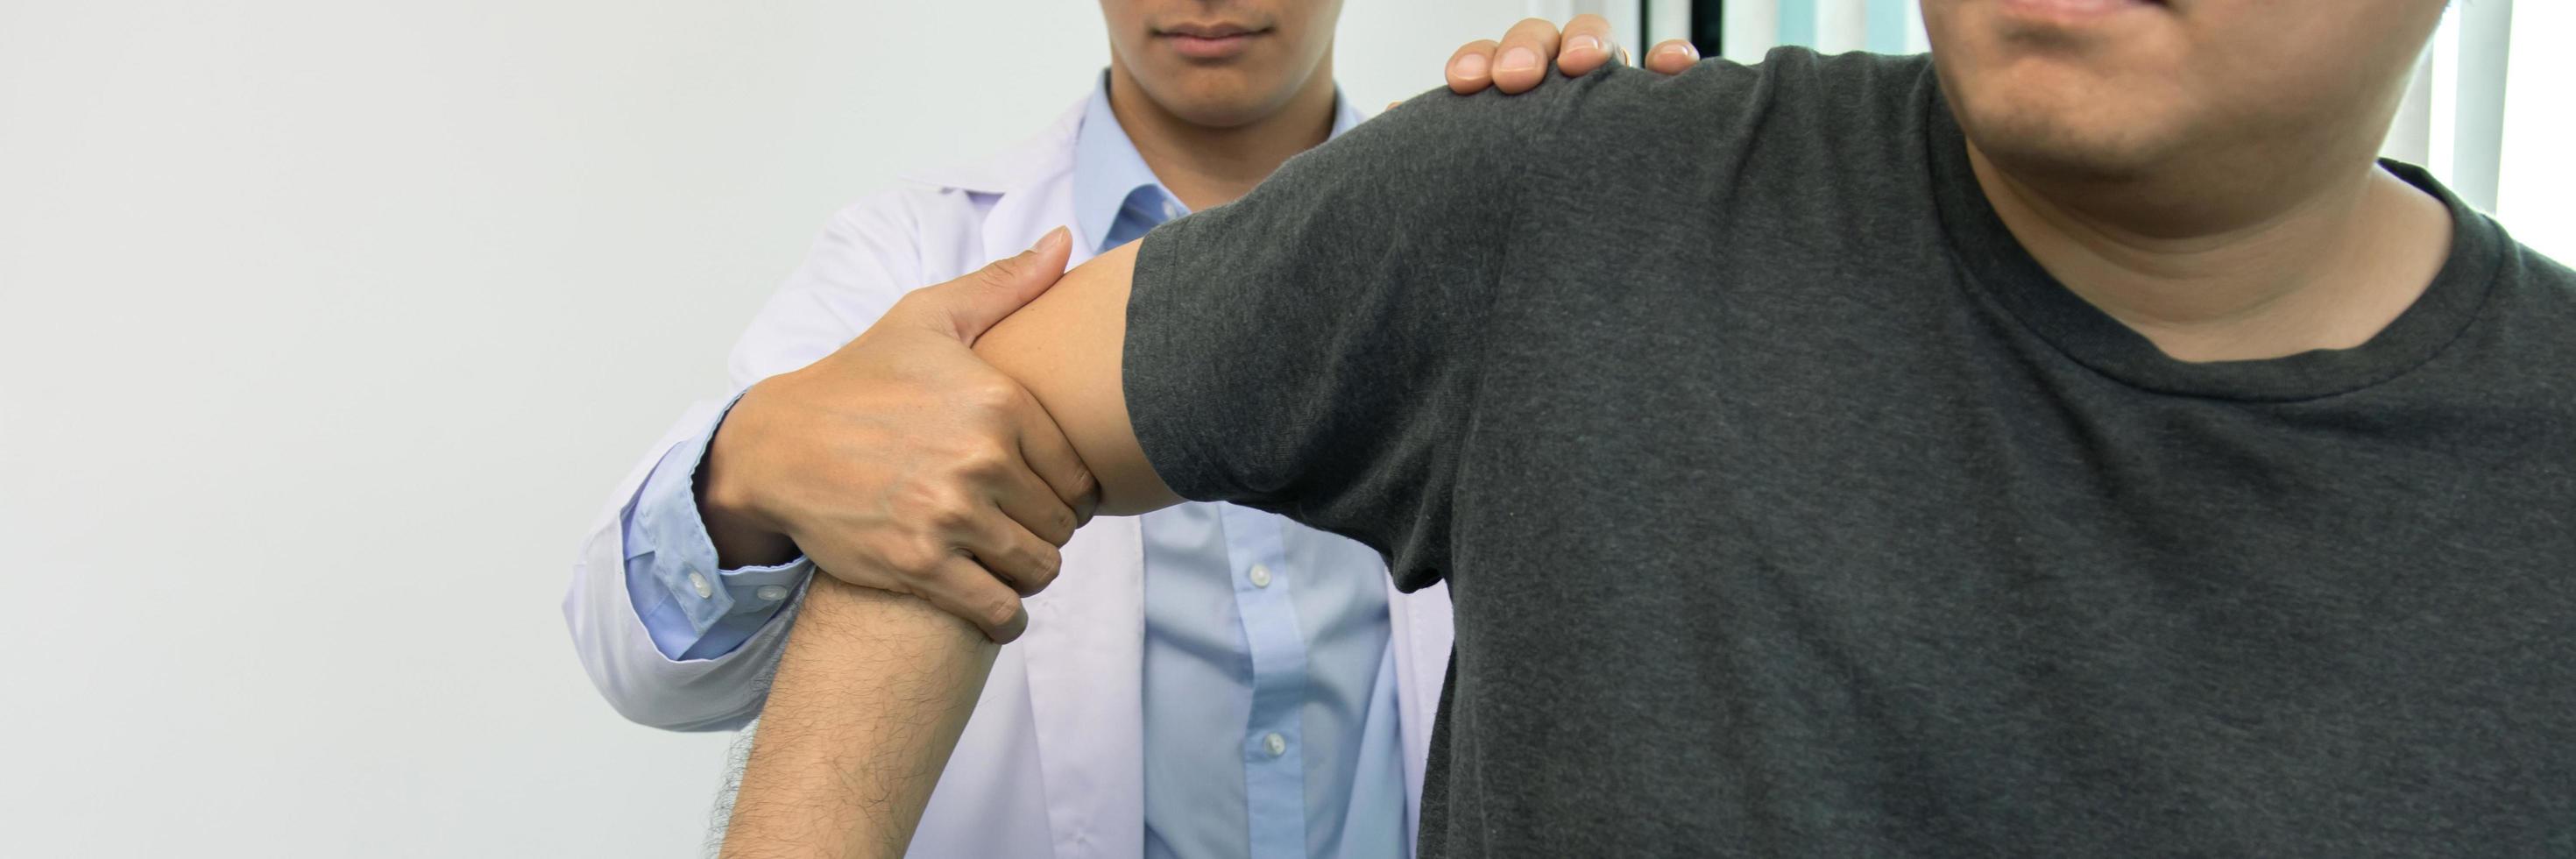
(949, 517)
(1000, 271)
(998, 609)
(984, 459)
(1531, 29)
(928, 301)
(1035, 581)
(990, 393)
(919, 560)
(920, 500)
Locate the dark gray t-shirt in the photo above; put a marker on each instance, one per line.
(1789, 507)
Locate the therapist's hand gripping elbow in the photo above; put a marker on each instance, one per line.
(903, 463)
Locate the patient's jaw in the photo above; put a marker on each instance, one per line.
(2254, 98)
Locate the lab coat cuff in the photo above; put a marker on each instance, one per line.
(683, 562)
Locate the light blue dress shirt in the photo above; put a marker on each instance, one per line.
(1269, 686)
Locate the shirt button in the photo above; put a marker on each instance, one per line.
(770, 593)
(1275, 744)
(1171, 210)
(1260, 576)
(699, 583)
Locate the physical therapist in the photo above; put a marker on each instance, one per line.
(1236, 685)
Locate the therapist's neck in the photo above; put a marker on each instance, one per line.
(1207, 165)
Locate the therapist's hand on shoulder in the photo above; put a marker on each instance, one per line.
(1519, 62)
(902, 462)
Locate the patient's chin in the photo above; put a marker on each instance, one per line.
(2090, 143)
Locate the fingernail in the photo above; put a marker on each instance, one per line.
(1470, 66)
(1049, 241)
(1686, 49)
(1517, 60)
(1585, 42)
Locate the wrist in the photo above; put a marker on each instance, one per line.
(731, 504)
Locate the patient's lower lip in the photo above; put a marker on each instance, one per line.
(2074, 11)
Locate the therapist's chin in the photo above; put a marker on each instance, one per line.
(1224, 98)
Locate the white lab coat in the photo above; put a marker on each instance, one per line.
(1059, 726)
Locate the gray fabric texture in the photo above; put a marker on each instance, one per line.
(1790, 508)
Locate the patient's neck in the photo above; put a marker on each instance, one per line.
(2326, 267)
(1209, 165)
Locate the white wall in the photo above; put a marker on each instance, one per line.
(325, 328)
(2536, 198)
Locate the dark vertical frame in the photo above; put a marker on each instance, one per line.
(1707, 25)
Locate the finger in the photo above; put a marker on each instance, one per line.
(1588, 45)
(1526, 50)
(964, 588)
(1052, 458)
(971, 305)
(1032, 504)
(1471, 68)
(1671, 57)
(1011, 553)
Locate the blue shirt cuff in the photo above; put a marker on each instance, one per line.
(691, 608)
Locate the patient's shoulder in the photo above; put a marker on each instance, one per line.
(1791, 92)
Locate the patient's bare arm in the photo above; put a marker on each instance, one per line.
(876, 686)
(868, 703)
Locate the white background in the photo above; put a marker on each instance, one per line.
(2536, 198)
(326, 327)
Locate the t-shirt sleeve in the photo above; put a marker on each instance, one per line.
(1313, 348)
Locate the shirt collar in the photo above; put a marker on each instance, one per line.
(1107, 170)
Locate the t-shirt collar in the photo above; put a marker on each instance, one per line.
(1997, 262)
(1110, 176)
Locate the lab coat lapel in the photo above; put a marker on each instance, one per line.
(1085, 650)
(1022, 214)
(1419, 630)
(1085, 646)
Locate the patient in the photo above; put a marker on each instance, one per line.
(2079, 447)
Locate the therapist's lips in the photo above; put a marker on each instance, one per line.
(1209, 41)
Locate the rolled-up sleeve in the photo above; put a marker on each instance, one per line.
(691, 608)
(669, 639)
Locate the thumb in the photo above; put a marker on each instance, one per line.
(976, 302)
